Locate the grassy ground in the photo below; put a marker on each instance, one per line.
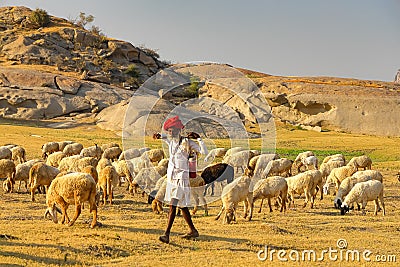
(128, 235)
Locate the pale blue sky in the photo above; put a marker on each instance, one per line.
(341, 38)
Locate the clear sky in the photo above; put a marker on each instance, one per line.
(341, 38)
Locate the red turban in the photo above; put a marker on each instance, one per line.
(174, 122)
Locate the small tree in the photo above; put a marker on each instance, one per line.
(39, 18)
(84, 19)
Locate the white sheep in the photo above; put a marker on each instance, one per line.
(239, 159)
(363, 192)
(7, 169)
(130, 154)
(112, 153)
(305, 182)
(62, 144)
(334, 157)
(5, 153)
(69, 163)
(122, 168)
(261, 163)
(41, 174)
(22, 172)
(278, 167)
(337, 175)
(73, 149)
(310, 162)
(18, 154)
(298, 161)
(92, 151)
(348, 183)
(154, 155)
(109, 145)
(326, 167)
(103, 162)
(232, 194)
(233, 150)
(361, 162)
(275, 186)
(108, 180)
(74, 188)
(48, 148)
(216, 152)
(55, 158)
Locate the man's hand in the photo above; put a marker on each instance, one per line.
(156, 136)
(193, 135)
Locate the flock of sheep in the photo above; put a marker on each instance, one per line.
(72, 174)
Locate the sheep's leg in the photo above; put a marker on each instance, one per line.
(205, 209)
(111, 195)
(196, 203)
(269, 204)
(204, 203)
(262, 200)
(246, 207)
(376, 206)
(383, 205)
(364, 204)
(94, 220)
(220, 212)
(33, 189)
(104, 196)
(77, 213)
(251, 205)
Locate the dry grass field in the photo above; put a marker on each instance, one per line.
(128, 231)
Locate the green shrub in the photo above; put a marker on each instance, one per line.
(132, 71)
(39, 18)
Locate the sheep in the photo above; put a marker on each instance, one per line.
(160, 189)
(310, 162)
(73, 149)
(348, 183)
(69, 163)
(136, 164)
(112, 153)
(92, 171)
(74, 188)
(233, 150)
(22, 172)
(361, 162)
(130, 154)
(62, 144)
(7, 169)
(92, 151)
(5, 153)
(102, 163)
(234, 193)
(216, 152)
(109, 145)
(261, 163)
(217, 172)
(337, 175)
(108, 179)
(55, 158)
(326, 167)
(306, 183)
(278, 167)
(275, 186)
(147, 177)
(122, 168)
(41, 174)
(154, 155)
(18, 154)
(48, 148)
(239, 159)
(298, 161)
(334, 157)
(362, 193)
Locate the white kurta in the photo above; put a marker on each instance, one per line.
(178, 185)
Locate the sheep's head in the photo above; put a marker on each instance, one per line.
(344, 208)
(337, 203)
(52, 212)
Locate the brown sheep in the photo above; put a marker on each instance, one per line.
(41, 174)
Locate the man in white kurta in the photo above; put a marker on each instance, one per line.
(178, 186)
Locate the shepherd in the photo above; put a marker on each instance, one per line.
(178, 186)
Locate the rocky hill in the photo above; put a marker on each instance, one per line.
(63, 72)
